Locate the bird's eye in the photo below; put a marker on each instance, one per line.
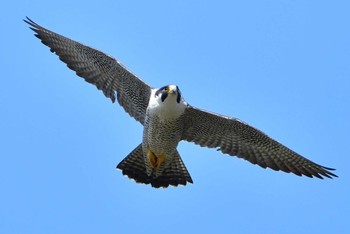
(166, 88)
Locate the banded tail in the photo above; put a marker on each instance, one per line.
(134, 167)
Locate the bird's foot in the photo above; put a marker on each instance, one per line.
(155, 161)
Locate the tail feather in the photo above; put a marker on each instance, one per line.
(134, 167)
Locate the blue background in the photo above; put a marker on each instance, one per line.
(281, 66)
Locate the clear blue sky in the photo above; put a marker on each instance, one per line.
(281, 66)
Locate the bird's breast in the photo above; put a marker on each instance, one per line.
(162, 135)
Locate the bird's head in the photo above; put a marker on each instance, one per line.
(169, 91)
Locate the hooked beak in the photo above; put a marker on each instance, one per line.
(172, 89)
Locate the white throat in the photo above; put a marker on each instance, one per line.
(169, 109)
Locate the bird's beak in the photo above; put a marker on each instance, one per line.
(172, 89)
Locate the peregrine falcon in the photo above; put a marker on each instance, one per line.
(168, 119)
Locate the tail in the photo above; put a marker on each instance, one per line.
(134, 167)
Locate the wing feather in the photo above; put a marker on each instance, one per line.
(236, 138)
(99, 69)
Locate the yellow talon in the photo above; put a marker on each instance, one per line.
(151, 158)
(155, 161)
(161, 159)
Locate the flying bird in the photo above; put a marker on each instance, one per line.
(168, 119)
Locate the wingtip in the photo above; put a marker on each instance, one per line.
(33, 26)
(28, 20)
(329, 174)
(325, 174)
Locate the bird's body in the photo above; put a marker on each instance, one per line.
(162, 129)
(167, 119)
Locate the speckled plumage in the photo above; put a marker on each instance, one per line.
(168, 119)
(163, 126)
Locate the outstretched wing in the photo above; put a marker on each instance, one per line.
(97, 68)
(236, 138)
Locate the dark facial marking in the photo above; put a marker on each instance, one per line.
(164, 96)
(162, 91)
(178, 99)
